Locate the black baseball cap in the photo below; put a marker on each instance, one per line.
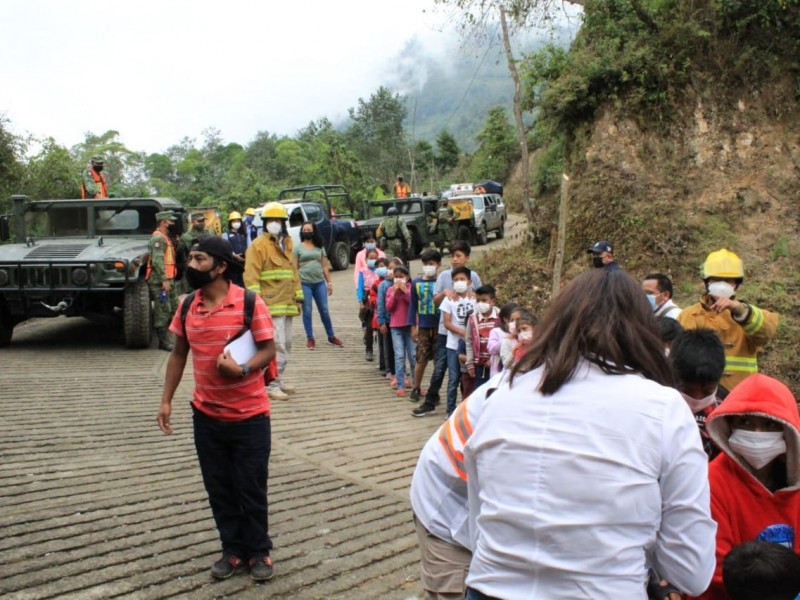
(600, 247)
(218, 248)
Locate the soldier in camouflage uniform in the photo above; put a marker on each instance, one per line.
(161, 271)
(393, 235)
(445, 217)
(197, 229)
(93, 183)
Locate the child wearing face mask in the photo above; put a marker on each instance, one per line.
(423, 315)
(755, 481)
(398, 297)
(365, 312)
(479, 326)
(361, 257)
(698, 360)
(380, 272)
(524, 324)
(498, 335)
(455, 312)
(384, 319)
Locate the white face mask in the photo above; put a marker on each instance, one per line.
(721, 289)
(483, 307)
(696, 405)
(460, 286)
(512, 328)
(758, 448)
(525, 336)
(235, 225)
(429, 270)
(274, 228)
(400, 280)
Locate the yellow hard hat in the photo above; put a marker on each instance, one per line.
(234, 216)
(723, 264)
(274, 210)
(250, 212)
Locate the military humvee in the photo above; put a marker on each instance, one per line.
(79, 258)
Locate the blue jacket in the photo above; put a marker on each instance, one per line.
(383, 315)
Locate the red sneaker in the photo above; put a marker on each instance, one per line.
(310, 344)
(334, 341)
(401, 392)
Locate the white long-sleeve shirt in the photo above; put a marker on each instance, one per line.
(573, 495)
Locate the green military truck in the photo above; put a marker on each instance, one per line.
(417, 212)
(78, 258)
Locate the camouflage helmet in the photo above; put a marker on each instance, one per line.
(392, 211)
(99, 159)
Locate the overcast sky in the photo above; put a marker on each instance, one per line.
(157, 71)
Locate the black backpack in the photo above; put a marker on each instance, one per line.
(249, 309)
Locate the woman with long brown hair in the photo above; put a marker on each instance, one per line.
(585, 468)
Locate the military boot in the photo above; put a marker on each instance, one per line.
(163, 340)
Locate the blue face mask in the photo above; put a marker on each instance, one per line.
(370, 246)
(371, 263)
(382, 271)
(652, 300)
(248, 220)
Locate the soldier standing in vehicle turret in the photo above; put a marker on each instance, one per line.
(393, 235)
(94, 183)
(160, 276)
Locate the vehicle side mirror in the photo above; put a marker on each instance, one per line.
(5, 233)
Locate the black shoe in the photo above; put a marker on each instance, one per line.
(414, 396)
(226, 566)
(432, 400)
(423, 409)
(369, 356)
(261, 568)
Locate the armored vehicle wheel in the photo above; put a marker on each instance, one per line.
(501, 233)
(482, 236)
(340, 256)
(136, 315)
(6, 327)
(416, 244)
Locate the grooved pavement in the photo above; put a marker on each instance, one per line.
(96, 503)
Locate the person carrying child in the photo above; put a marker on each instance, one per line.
(423, 316)
(398, 298)
(479, 325)
(455, 312)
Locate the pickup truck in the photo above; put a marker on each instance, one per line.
(342, 236)
(479, 214)
(79, 258)
(413, 211)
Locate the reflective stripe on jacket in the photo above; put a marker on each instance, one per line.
(271, 272)
(742, 341)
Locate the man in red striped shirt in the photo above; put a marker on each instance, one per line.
(230, 407)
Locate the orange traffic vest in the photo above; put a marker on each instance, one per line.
(401, 190)
(100, 181)
(170, 270)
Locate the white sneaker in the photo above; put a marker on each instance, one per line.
(277, 394)
(287, 388)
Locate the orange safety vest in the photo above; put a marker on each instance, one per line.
(170, 270)
(401, 190)
(100, 181)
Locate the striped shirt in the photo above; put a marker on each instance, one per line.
(208, 332)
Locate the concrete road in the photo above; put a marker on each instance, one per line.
(95, 502)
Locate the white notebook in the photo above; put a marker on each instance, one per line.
(243, 348)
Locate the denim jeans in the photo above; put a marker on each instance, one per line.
(453, 379)
(439, 370)
(483, 373)
(319, 293)
(388, 352)
(404, 347)
(473, 594)
(234, 458)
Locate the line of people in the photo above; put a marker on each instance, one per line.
(583, 471)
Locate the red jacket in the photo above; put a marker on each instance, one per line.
(742, 507)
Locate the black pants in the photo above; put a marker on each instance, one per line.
(385, 340)
(234, 457)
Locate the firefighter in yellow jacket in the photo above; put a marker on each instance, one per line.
(270, 271)
(744, 328)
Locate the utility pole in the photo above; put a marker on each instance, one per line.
(562, 234)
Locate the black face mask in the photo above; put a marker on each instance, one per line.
(306, 235)
(98, 168)
(197, 278)
(597, 261)
(172, 229)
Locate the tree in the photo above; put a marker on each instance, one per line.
(447, 151)
(11, 168)
(377, 134)
(498, 147)
(53, 173)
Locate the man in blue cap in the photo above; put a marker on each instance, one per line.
(603, 255)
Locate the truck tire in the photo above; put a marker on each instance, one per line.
(6, 327)
(501, 233)
(482, 236)
(136, 315)
(464, 233)
(416, 243)
(340, 256)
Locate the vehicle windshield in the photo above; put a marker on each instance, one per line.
(378, 209)
(50, 220)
